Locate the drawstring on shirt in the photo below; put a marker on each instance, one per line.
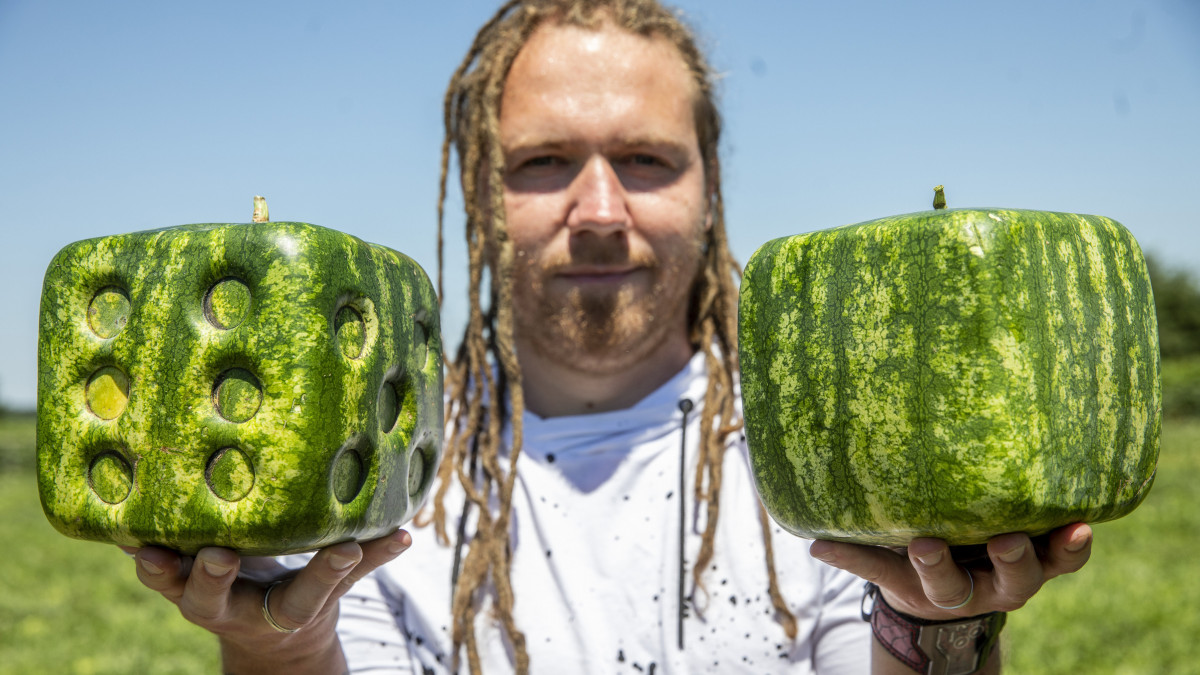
(685, 406)
(461, 534)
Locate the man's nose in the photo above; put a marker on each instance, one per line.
(598, 199)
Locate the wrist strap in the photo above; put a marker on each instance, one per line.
(955, 647)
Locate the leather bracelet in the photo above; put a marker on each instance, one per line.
(954, 647)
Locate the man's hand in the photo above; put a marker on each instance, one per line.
(925, 581)
(916, 581)
(223, 593)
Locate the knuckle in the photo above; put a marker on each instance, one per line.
(201, 614)
(1014, 593)
(1010, 605)
(292, 616)
(329, 577)
(154, 583)
(946, 599)
(376, 556)
(1069, 564)
(349, 583)
(1007, 600)
(876, 574)
(345, 585)
(296, 603)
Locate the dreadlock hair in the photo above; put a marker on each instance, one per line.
(485, 377)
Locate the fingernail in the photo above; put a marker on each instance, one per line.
(150, 567)
(1012, 555)
(339, 562)
(215, 569)
(1077, 545)
(931, 559)
(399, 544)
(822, 552)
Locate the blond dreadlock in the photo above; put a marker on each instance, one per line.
(485, 372)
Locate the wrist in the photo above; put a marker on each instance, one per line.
(950, 647)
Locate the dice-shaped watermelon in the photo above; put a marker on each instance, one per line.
(268, 387)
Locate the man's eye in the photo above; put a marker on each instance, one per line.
(645, 160)
(544, 160)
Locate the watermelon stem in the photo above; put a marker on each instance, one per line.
(260, 210)
(939, 197)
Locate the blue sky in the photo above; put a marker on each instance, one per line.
(123, 116)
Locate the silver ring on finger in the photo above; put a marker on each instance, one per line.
(266, 609)
(970, 594)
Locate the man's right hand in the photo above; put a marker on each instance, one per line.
(223, 593)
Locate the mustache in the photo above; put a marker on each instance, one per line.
(598, 254)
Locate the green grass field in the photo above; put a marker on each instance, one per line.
(1132, 609)
(69, 606)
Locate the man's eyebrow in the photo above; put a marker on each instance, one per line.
(529, 142)
(553, 143)
(652, 142)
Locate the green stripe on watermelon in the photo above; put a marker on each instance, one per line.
(953, 373)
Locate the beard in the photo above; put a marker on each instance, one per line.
(603, 328)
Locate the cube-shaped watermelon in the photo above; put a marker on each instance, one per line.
(953, 373)
(268, 387)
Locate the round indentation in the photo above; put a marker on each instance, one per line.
(421, 339)
(397, 402)
(107, 392)
(229, 474)
(108, 312)
(348, 473)
(237, 395)
(388, 406)
(350, 331)
(416, 473)
(110, 477)
(227, 303)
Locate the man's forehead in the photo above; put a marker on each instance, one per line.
(565, 94)
(548, 46)
(577, 72)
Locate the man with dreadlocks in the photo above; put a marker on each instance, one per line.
(595, 509)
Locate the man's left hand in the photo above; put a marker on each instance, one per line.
(924, 579)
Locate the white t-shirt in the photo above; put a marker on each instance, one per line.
(595, 567)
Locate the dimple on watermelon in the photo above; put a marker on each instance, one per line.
(952, 373)
(270, 387)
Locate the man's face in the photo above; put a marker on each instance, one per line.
(605, 195)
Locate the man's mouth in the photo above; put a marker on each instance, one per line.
(585, 274)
